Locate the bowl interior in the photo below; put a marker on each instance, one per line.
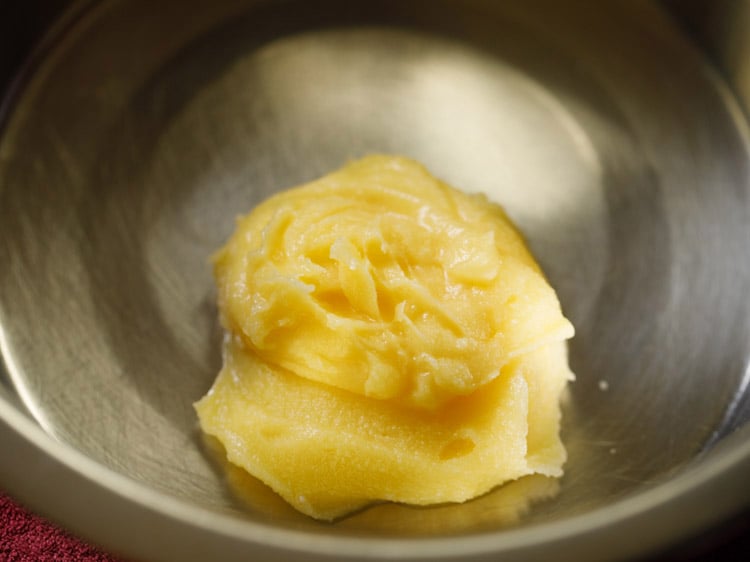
(148, 127)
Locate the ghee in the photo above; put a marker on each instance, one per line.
(388, 338)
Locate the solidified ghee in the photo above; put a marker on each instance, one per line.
(388, 338)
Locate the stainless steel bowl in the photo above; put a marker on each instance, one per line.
(140, 129)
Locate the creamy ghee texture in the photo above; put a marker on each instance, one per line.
(388, 338)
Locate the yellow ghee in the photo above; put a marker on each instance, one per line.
(388, 338)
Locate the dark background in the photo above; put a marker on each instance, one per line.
(21, 22)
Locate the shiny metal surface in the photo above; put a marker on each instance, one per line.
(145, 128)
(720, 28)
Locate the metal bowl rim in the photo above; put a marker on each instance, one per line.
(658, 516)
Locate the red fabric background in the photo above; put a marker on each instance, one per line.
(25, 537)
